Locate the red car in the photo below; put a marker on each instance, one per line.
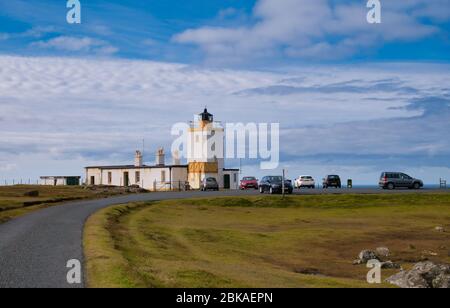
(249, 182)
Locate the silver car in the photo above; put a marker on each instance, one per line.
(392, 180)
(209, 184)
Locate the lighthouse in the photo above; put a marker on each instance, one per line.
(205, 158)
(205, 150)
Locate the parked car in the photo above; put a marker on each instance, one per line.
(305, 181)
(209, 184)
(249, 182)
(274, 185)
(332, 181)
(392, 180)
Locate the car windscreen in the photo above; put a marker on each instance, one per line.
(249, 179)
(306, 177)
(276, 179)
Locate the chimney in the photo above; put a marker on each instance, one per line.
(176, 158)
(160, 157)
(138, 159)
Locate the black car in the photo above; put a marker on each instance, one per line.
(274, 185)
(209, 184)
(332, 181)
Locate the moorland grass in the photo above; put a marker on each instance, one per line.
(263, 241)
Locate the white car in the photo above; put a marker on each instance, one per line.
(305, 181)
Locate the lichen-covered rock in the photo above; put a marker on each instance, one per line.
(367, 255)
(442, 281)
(382, 252)
(423, 275)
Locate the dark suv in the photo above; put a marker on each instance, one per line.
(274, 184)
(332, 181)
(392, 180)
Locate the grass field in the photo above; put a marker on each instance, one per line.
(301, 241)
(14, 202)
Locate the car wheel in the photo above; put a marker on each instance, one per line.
(271, 190)
(261, 190)
(390, 186)
(416, 186)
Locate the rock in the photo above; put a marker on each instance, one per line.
(390, 265)
(439, 229)
(382, 252)
(429, 253)
(423, 275)
(442, 281)
(367, 255)
(408, 279)
(357, 262)
(33, 193)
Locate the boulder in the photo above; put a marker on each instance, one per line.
(442, 281)
(423, 275)
(408, 279)
(382, 252)
(367, 255)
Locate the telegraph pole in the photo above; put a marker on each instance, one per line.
(282, 184)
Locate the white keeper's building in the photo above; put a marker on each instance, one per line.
(205, 138)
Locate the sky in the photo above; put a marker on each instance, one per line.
(351, 98)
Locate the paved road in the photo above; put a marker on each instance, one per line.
(34, 249)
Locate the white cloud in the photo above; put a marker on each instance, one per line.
(317, 29)
(84, 112)
(77, 44)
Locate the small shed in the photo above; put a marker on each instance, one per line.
(60, 180)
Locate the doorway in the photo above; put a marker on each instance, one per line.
(226, 181)
(126, 179)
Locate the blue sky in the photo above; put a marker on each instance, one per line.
(174, 30)
(351, 98)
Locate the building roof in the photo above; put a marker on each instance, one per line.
(135, 167)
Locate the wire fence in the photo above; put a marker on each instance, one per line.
(12, 182)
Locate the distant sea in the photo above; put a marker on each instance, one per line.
(430, 186)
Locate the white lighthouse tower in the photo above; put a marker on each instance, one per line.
(205, 150)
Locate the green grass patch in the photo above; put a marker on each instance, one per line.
(263, 241)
